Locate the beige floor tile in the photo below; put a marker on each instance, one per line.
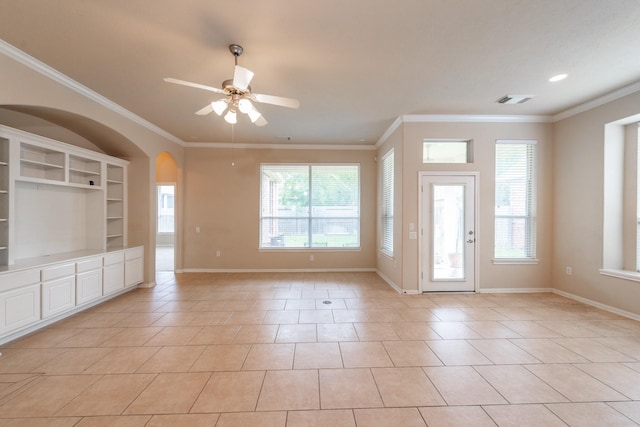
(457, 352)
(113, 421)
(296, 333)
(480, 314)
(172, 359)
(364, 355)
(130, 337)
(230, 392)
(330, 304)
(330, 332)
(518, 415)
(418, 315)
(350, 316)
(402, 387)
(247, 317)
(161, 396)
(450, 314)
(590, 415)
(41, 422)
(317, 356)
(138, 320)
(324, 418)
(411, 353)
(406, 417)
(502, 352)
(89, 337)
(593, 350)
(253, 419)
(348, 388)
(574, 384)
(453, 330)
(316, 316)
(289, 390)
(47, 396)
(110, 395)
(630, 346)
(530, 329)
(22, 360)
(210, 318)
(463, 386)
(629, 409)
(456, 416)
(300, 304)
(412, 331)
(548, 351)
(73, 361)
(491, 329)
(384, 316)
(174, 335)
(281, 317)
(255, 334)
(44, 339)
(569, 329)
(224, 357)
(263, 357)
(375, 332)
(122, 360)
(616, 375)
(175, 319)
(518, 385)
(216, 334)
(183, 420)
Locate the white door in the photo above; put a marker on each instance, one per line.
(448, 233)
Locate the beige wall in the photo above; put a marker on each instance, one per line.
(224, 201)
(578, 207)
(484, 136)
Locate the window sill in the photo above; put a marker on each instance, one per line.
(621, 274)
(515, 261)
(312, 249)
(386, 255)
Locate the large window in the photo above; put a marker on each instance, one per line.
(515, 204)
(386, 240)
(309, 206)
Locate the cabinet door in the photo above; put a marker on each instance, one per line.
(133, 272)
(88, 286)
(58, 295)
(19, 308)
(113, 278)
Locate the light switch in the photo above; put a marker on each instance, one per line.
(197, 229)
(413, 235)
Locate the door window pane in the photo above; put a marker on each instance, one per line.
(448, 232)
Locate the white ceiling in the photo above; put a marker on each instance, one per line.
(354, 65)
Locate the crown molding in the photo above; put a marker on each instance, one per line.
(620, 93)
(334, 147)
(55, 75)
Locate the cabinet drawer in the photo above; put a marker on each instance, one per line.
(113, 258)
(57, 271)
(134, 253)
(88, 264)
(21, 278)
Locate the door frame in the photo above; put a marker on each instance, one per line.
(421, 225)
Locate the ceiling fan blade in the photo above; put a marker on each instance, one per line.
(260, 122)
(276, 100)
(208, 109)
(191, 84)
(242, 77)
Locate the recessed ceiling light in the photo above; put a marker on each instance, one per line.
(558, 77)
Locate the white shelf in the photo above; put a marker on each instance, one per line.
(41, 164)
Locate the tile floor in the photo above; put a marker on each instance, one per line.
(268, 350)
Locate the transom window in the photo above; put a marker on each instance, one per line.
(438, 151)
(310, 206)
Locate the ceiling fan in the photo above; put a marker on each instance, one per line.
(238, 95)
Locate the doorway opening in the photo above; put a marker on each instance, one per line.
(165, 232)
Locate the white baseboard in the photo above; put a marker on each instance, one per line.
(515, 290)
(596, 304)
(147, 285)
(277, 270)
(395, 286)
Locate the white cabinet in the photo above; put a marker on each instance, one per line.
(58, 289)
(133, 266)
(113, 273)
(88, 280)
(19, 300)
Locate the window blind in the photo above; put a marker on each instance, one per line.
(386, 243)
(515, 204)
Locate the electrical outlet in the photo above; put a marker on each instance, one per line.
(197, 229)
(310, 257)
(569, 271)
(218, 253)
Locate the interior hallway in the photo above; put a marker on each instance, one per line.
(330, 349)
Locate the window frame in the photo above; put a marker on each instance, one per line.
(387, 205)
(530, 199)
(310, 217)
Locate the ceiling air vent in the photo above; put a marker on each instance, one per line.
(514, 99)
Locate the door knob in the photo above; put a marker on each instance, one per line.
(471, 241)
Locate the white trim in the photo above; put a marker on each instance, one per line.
(517, 141)
(389, 281)
(55, 75)
(621, 274)
(515, 261)
(515, 290)
(395, 125)
(596, 304)
(620, 93)
(251, 146)
(474, 118)
(276, 270)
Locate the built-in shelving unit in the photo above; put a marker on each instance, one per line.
(4, 201)
(83, 171)
(115, 206)
(41, 163)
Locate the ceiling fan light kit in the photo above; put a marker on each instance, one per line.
(238, 95)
